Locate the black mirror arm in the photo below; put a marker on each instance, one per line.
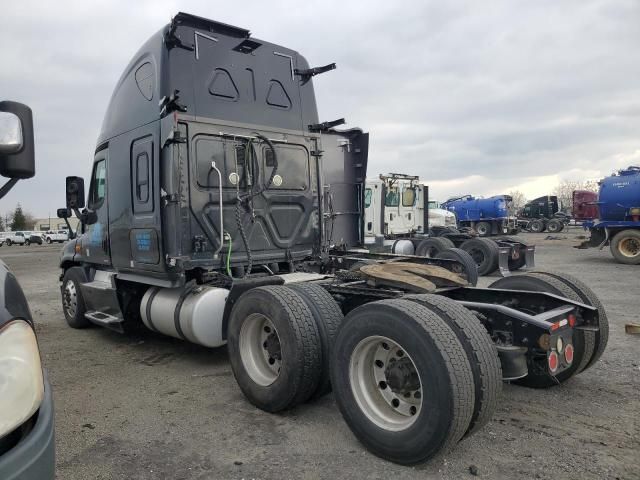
(8, 186)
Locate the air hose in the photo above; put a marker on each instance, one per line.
(248, 197)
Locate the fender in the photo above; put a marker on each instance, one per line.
(13, 303)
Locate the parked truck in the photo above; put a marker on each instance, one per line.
(222, 211)
(397, 208)
(584, 206)
(397, 204)
(487, 216)
(618, 222)
(542, 213)
(27, 444)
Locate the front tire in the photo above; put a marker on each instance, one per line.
(625, 247)
(48, 240)
(8, 242)
(385, 353)
(73, 304)
(274, 348)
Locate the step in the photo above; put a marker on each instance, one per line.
(105, 320)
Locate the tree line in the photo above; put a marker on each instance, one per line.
(17, 220)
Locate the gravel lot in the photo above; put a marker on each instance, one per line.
(143, 406)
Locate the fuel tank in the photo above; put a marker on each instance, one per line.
(192, 314)
(619, 194)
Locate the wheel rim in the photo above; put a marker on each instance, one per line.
(477, 255)
(385, 383)
(260, 349)
(482, 229)
(629, 247)
(70, 298)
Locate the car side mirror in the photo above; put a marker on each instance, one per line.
(63, 213)
(75, 193)
(17, 157)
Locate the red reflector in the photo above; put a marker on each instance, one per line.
(555, 326)
(568, 353)
(572, 320)
(553, 361)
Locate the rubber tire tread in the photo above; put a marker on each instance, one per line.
(453, 357)
(306, 365)
(615, 251)
(328, 317)
(553, 286)
(439, 243)
(490, 252)
(77, 276)
(481, 352)
(590, 298)
(465, 259)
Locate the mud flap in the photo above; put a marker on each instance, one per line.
(504, 254)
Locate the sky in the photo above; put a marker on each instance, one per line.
(475, 97)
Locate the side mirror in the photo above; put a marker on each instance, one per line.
(17, 157)
(63, 213)
(75, 193)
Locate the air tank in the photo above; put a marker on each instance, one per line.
(619, 194)
(192, 314)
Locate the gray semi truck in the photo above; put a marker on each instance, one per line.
(221, 210)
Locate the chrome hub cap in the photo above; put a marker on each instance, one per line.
(70, 298)
(260, 349)
(385, 383)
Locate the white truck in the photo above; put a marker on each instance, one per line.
(13, 238)
(59, 236)
(399, 204)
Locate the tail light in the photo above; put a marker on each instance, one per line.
(552, 359)
(568, 353)
(572, 320)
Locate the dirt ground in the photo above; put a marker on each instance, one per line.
(145, 406)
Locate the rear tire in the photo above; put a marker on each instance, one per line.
(430, 247)
(554, 226)
(27, 243)
(484, 253)
(583, 342)
(72, 300)
(274, 348)
(8, 242)
(328, 317)
(590, 298)
(483, 228)
(469, 268)
(481, 353)
(376, 393)
(625, 247)
(48, 240)
(536, 226)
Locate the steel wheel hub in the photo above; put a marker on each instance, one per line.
(70, 298)
(630, 247)
(385, 383)
(260, 349)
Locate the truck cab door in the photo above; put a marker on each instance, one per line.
(95, 241)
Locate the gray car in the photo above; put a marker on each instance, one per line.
(27, 446)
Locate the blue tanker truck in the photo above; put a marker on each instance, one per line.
(618, 224)
(487, 216)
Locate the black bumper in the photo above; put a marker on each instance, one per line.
(33, 458)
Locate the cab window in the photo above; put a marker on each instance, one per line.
(392, 199)
(409, 197)
(98, 184)
(367, 197)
